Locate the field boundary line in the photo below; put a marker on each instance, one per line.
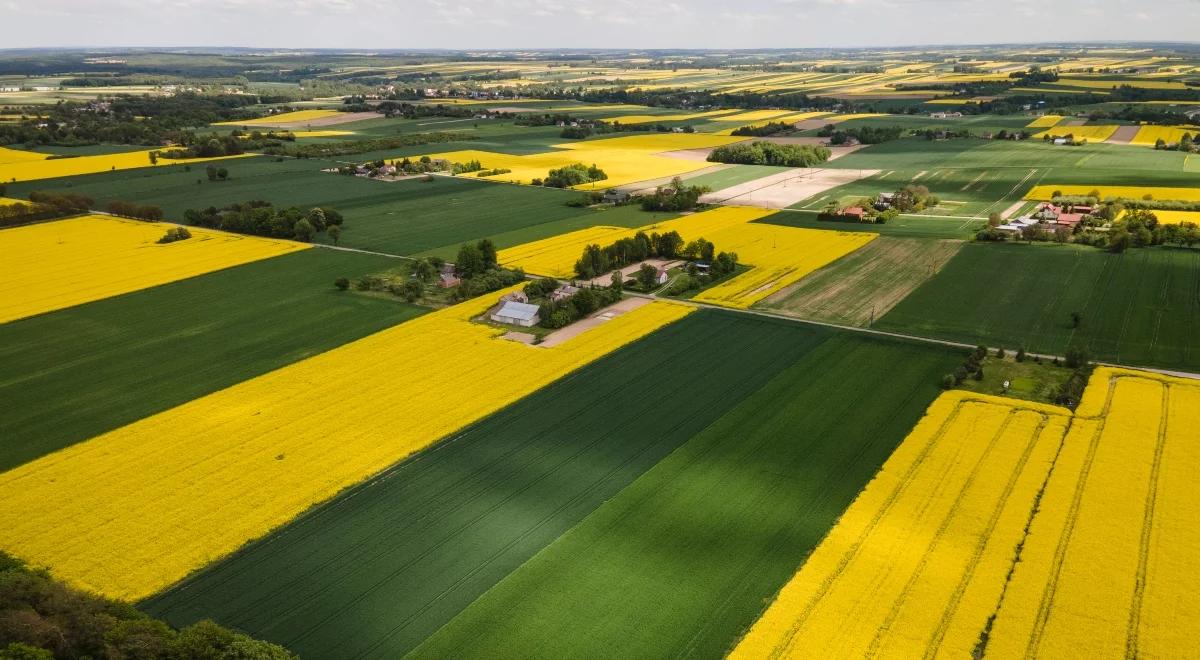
(1139, 584)
(940, 533)
(1042, 617)
(889, 334)
(939, 634)
(849, 556)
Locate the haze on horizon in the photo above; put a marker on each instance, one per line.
(515, 24)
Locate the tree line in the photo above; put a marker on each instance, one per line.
(42, 618)
(769, 153)
(260, 218)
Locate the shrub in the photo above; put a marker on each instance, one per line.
(175, 234)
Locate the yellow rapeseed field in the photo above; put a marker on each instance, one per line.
(916, 565)
(8, 201)
(1045, 121)
(294, 117)
(1141, 83)
(1177, 217)
(779, 255)
(18, 156)
(1150, 135)
(624, 159)
(1043, 193)
(837, 119)
(785, 119)
(140, 507)
(31, 170)
(1089, 133)
(1111, 565)
(317, 134)
(650, 119)
(754, 115)
(53, 265)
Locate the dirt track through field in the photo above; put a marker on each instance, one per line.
(603, 316)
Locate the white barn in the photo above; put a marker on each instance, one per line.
(517, 313)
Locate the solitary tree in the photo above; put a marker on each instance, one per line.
(335, 233)
(422, 269)
(647, 276)
(618, 282)
(1076, 319)
(487, 250)
(469, 261)
(341, 283)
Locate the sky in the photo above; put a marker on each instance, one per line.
(515, 24)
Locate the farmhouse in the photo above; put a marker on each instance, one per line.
(855, 212)
(516, 313)
(563, 292)
(447, 279)
(1056, 215)
(945, 115)
(661, 276)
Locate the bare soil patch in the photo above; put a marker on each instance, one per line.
(779, 191)
(1124, 134)
(697, 155)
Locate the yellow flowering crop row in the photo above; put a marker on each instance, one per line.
(1111, 566)
(1140, 83)
(1150, 135)
(60, 264)
(1089, 133)
(650, 119)
(780, 255)
(138, 508)
(19, 156)
(283, 118)
(785, 119)
(1045, 121)
(624, 159)
(753, 115)
(30, 170)
(316, 134)
(1176, 217)
(916, 565)
(837, 119)
(1043, 193)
